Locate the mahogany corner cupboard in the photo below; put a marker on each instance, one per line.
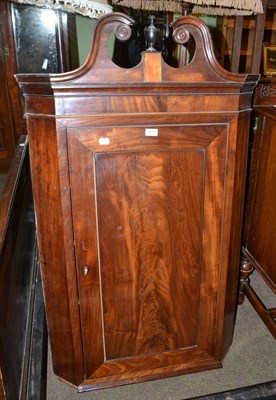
(138, 179)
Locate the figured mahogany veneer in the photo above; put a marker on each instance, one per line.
(138, 181)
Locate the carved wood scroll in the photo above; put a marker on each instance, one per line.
(99, 68)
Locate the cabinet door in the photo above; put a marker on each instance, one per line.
(151, 236)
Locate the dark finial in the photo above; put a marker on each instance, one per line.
(151, 34)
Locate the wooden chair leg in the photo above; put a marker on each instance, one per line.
(268, 315)
(245, 272)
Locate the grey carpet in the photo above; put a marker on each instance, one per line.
(250, 360)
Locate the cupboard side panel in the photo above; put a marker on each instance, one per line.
(238, 150)
(53, 216)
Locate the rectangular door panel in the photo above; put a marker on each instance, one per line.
(149, 240)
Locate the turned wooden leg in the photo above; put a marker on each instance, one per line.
(245, 271)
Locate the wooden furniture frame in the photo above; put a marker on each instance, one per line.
(259, 241)
(23, 334)
(136, 173)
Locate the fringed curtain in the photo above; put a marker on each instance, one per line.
(223, 7)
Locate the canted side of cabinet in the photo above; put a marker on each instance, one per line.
(137, 174)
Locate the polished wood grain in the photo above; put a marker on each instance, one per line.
(157, 232)
(101, 177)
(238, 199)
(56, 256)
(137, 176)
